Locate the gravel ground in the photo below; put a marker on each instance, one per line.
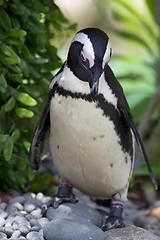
(21, 218)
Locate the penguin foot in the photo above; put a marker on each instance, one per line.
(64, 194)
(110, 222)
(114, 219)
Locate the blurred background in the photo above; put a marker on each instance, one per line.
(34, 40)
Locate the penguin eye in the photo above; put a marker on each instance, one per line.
(86, 58)
(83, 58)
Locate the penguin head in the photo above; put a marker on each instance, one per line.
(88, 55)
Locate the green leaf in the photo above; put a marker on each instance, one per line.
(16, 33)
(151, 6)
(8, 148)
(8, 56)
(15, 135)
(135, 98)
(10, 104)
(1, 2)
(27, 145)
(26, 99)
(24, 68)
(4, 19)
(3, 81)
(13, 41)
(24, 113)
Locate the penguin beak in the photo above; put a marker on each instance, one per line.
(94, 88)
(94, 83)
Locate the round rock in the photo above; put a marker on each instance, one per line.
(33, 236)
(62, 229)
(76, 212)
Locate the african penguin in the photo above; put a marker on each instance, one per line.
(89, 124)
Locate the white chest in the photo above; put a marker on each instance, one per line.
(86, 149)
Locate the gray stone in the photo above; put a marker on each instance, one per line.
(29, 207)
(37, 213)
(16, 234)
(2, 221)
(3, 236)
(12, 210)
(18, 205)
(19, 199)
(43, 221)
(24, 229)
(36, 226)
(129, 233)
(76, 211)
(129, 204)
(33, 236)
(41, 234)
(34, 222)
(9, 231)
(62, 229)
(22, 238)
(19, 219)
(4, 215)
(46, 199)
(39, 196)
(140, 220)
(152, 220)
(3, 205)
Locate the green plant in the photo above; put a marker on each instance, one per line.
(27, 63)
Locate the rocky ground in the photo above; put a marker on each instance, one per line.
(21, 218)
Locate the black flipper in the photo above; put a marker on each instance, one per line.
(42, 132)
(125, 112)
(130, 122)
(40, 138)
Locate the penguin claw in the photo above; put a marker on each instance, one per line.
(64, 194)
(58, 200)
(110, 222)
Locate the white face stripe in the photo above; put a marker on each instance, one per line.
(106, 56)
(88, 48)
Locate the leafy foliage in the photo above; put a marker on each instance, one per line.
(136, 69)
(27, 63)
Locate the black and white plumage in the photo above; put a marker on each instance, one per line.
(90, 127)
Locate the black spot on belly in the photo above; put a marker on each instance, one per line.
(111, 165)
(57, 146)
(126, 159)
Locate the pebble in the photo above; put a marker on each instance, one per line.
(58, 228)
(24, 229)
(29, 207)
(3, 205)
(16, 234)
(4, 215)
(33, 236)
(3, 236)
(37, 213)
(43, 221)
(18, 199)
(21, 219)
(73, 211)
(39, 196)
(9, 231)
(18, 206)
(2, 221)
